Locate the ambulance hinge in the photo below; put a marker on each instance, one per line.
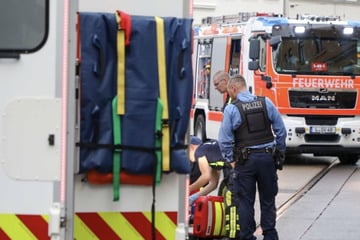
(55, 221)
(77, 77)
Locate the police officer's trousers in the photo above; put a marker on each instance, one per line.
(258, 169)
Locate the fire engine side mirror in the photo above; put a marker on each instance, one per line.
(253, 65)
(254, 50)
(274, 41)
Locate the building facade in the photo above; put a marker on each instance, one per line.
(344, 9)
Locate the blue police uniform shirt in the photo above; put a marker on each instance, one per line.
(232, 120)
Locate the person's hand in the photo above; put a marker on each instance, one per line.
(279, 159)
(193, 197)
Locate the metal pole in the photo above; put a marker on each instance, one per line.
(285, 8)
(68, 61)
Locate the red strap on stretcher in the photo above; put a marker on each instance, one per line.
(125, 24)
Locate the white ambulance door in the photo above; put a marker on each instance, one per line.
(218, 60)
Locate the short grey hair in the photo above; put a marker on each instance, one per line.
(221, 75)
(238, 81)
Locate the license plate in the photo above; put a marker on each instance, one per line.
(322, 130)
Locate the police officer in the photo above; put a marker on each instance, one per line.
(248, 143)
(205, 160)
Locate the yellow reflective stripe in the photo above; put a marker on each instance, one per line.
(120, 47)
(160, 38)
(219, 206)
(163, 224)
(232, 227)
(82, 231)
(45, 217)
(15, 228)
(227, 198)
(217, 164)
(115, 221)
(232, 232)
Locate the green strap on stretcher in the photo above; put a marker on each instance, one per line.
(117, 141)
(158, 127)
(160, 39)
(162, 114)
(117, 152)
(118, 106)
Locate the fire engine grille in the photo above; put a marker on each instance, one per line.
(321, 120)
(322, 99)
(329, 138)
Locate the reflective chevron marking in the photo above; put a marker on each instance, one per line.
(92, 226)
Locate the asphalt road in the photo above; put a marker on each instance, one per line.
(328, 209)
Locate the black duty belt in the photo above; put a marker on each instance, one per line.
(259, 150)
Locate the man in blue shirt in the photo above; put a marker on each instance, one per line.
(252, 139)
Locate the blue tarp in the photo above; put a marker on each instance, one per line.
(98, 73)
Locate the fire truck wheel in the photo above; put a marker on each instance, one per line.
(348, 158)
(199, 127)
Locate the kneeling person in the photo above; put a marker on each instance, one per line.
(206, 162)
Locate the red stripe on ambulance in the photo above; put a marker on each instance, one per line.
(142, 224)
(36, 224)
(3, 235)
(172, 216)
(98, 226)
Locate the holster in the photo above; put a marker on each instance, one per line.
(240, 155)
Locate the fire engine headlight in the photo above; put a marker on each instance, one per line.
(299, 29)
(277, 27)
(348, 30)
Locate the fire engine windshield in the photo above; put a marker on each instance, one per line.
(312, 54)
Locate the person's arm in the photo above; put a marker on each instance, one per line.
(205, 176)
(213, 183)
(231, 120)
(277, 125)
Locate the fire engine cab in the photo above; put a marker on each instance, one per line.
(309, 67)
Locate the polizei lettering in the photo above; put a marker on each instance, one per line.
(323, 83)
(251, 105)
